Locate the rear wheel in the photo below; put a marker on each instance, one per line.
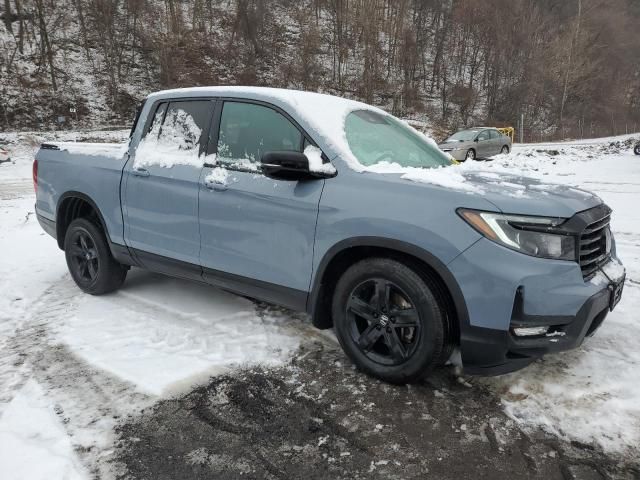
(89, 259)
(504, 150)
(388, 320)
(471, 154)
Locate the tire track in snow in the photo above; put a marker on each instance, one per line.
(88, 401)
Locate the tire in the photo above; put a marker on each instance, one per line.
(504, 150)
(636, 150)
(89, 259)
(471, 154)
(399, 336)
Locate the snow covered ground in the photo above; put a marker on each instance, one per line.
(72, 365)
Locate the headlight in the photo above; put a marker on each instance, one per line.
(536, 236)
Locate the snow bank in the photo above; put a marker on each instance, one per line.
(33, 443)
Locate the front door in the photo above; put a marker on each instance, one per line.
(160, 194)
(255, 230)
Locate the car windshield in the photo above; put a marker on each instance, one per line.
(463, 136)
(375, 138)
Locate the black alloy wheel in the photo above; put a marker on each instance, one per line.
(383, 322)
(84, 256)
(89, 258)
(390, 320)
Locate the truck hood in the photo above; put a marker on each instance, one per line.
(529, 196)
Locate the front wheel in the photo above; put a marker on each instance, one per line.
(388, 320)
(89, 259)
(471, 154)
(636, 150)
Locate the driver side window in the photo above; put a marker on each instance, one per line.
(248, 131)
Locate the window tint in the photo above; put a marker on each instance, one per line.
(484, 135)
(248, 130)
(185, 124)
(374, 138)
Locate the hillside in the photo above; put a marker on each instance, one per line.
(565, 66)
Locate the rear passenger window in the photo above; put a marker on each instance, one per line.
(248, 131)
(185, 124)
(177, 135)
(494, 134)
(484, 135)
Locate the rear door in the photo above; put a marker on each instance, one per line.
(160, 193)
(496, 142)
(483, 145)
(257, 233)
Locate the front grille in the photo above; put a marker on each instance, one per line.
(595, 245)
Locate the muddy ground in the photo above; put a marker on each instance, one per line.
(320, 418)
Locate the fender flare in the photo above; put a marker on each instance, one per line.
(85, 198)
(120, 252)
(427, 258)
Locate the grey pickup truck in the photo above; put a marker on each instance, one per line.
(337, 208)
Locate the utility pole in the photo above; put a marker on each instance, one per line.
(522, 128)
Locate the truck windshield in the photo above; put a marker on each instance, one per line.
(376, 138)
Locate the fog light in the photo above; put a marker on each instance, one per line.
(530, 331)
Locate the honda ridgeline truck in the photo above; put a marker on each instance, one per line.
(335, 207)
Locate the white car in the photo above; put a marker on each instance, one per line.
(5, 155)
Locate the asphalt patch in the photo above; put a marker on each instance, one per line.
(321, 418)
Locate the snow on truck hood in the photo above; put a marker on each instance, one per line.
(505, 189)
(529, 196)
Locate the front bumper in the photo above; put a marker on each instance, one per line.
(504, 289)
(496, 352)
(459, 155)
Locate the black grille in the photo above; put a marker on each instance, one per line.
(594, 246)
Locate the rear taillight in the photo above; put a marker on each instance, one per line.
(35, 175)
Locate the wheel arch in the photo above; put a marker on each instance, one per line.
(347, 252)
(72, 205)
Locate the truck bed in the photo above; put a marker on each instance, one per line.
(94, 169)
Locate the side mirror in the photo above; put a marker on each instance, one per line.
(286, 165)
(476, 139)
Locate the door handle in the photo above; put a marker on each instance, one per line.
(216, 186)
(140, 172)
